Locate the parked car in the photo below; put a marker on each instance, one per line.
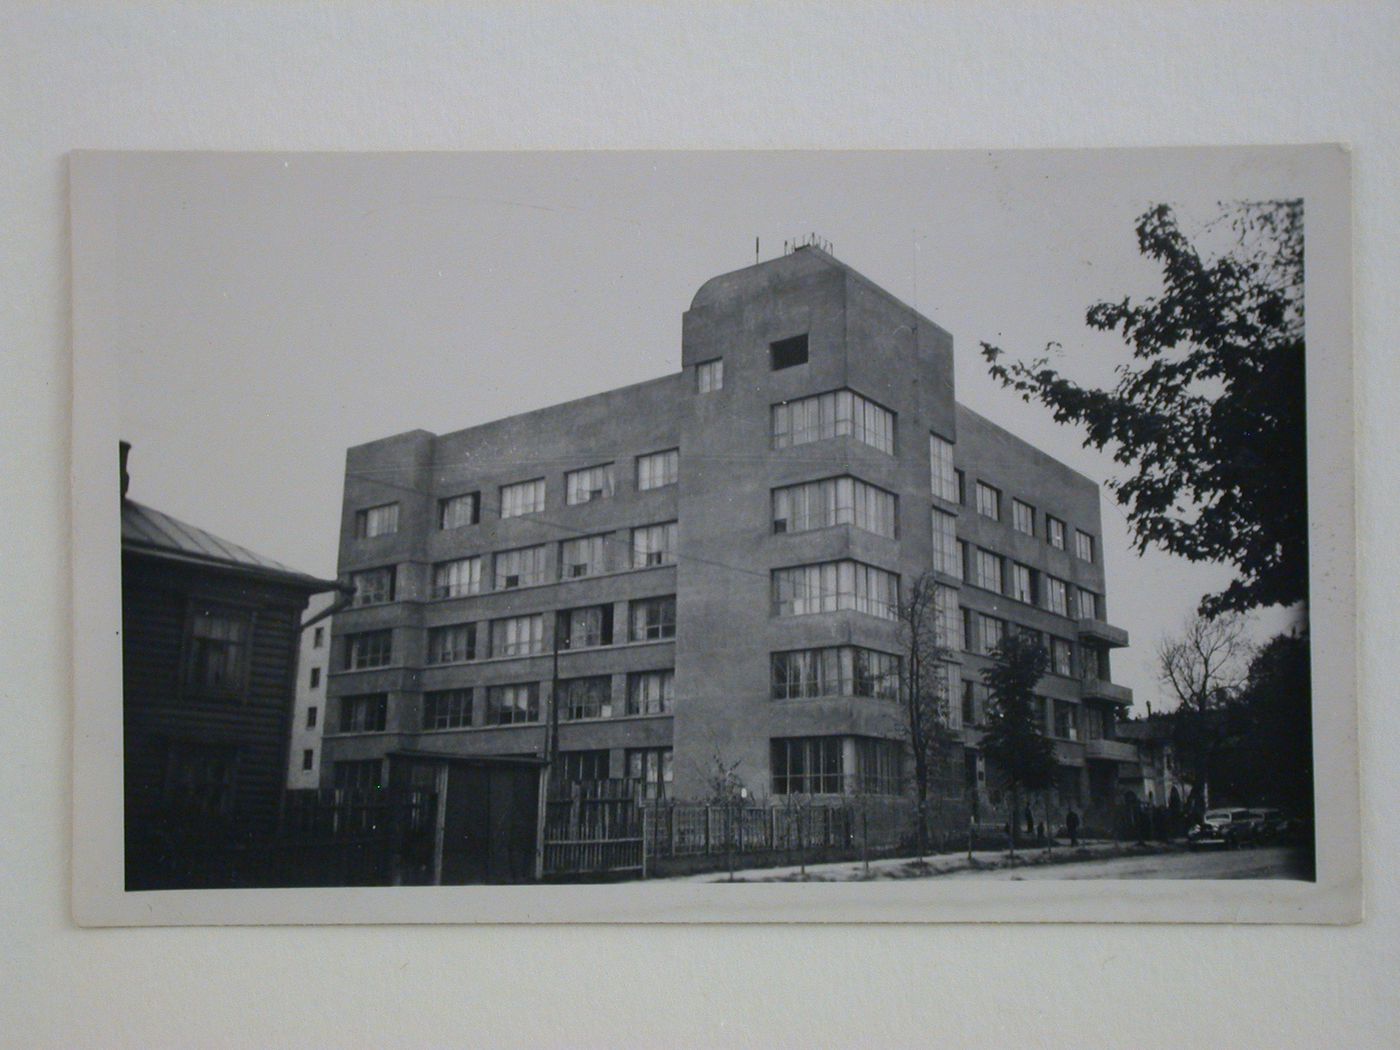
(1230, 828)
(1273, 825)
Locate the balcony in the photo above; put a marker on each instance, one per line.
(1111, 750)
(1105, 634)
(1101, 689)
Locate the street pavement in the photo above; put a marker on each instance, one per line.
(1272, 862)
(1094, 860)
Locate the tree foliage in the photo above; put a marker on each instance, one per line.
(1014, 740)
(1209, 411)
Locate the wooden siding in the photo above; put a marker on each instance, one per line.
(159, 711)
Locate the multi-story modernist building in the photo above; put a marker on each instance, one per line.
(309, 710)
(709, 564)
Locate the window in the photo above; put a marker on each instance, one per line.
(1083, 546)
(1088, 605)
(945, 543)
(216, 649)
(311, 718)
(509, 704)
(457, 511)
(359, 775)
(974, 703)
(835, 671)
(654, 545)
(653, 618)
(969, 631)
(584, 556)
(368, 649)
(1055, 532)
(839, 413)
(522, 567)
(991, 633)
(373, 586)
(1023, 517)
(1066, 720)
(945, 618)
(585, 697)
(658, 469)
(585, 628)
(879, 767)
(315, 678)
(651, 769)
(834, 501)
(963, 572)
(200, 779)
(377, 521)
(651, 692)
(806, 765)
(1056, 596)
(827, 587)
(447, 709)
(318, 637)
(1022, 583)
(787, 353)
(584, 486)
(453, 579)
(988, 501)
(308, 759)
(709, 376)
(962, 487)
(1061, 657)
(988, 574)
(576, 767)
(518, 636)
(364, 714)
(524, 497)
(450, 645)
(943, 479)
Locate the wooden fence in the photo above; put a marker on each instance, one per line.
(593, 828)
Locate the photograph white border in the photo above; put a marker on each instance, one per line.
(98, 897)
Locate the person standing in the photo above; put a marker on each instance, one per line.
(1072, 826)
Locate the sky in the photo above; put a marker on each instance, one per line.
(271, 310)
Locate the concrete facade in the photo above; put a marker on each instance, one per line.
(794, 328)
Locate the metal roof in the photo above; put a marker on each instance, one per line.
(149, 531)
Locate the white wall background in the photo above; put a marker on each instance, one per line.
(426, 76)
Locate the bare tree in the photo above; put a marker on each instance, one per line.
(1203, 666)
(926, 619)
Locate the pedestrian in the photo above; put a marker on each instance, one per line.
(1030, 821)
(1072, 826)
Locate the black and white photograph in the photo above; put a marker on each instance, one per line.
(673, 536)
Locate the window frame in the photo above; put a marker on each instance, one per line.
(446, 503)
(458, 714)
(471, 637)
(350, 642)
(670, 459)
(438, 591)
(382, 596)
(650, 558)
(495, 708)
(1022, 516)
(664, 629)
(1082, 540)
(364, 516)
(191, 645)
(1055, 530)
(376, 707)
(575, 495)
(709, 376)
(536, 507)
(993, 495)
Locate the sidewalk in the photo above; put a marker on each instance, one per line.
(936, 864)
